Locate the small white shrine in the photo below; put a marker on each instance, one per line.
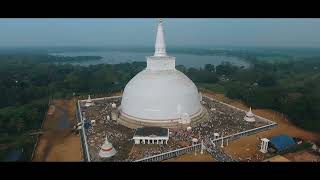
(114, 115)
(264, 145)
(194, 141)
(89, 102)
(249, 116)
(114, 105)
(185, 118)
(114, 112)
(215, 135)
(107, 149)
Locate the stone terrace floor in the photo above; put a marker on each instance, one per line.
(221, 119)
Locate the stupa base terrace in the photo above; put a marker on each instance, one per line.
(216, 118)
(135, 123)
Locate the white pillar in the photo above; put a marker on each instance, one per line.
(222, 141)
(201, 152)
(264, 145)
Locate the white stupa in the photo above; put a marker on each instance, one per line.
(107, 149)
(89, 102)
(249, 116)
(160, 94)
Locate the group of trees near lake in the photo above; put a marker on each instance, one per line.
(291, 88)
(28, 81)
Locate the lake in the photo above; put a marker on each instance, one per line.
(188, 60)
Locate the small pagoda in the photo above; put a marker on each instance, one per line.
(249, 116)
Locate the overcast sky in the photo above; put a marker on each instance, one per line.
(179, 32)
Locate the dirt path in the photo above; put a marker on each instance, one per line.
(58, 143)
(191, 157)
(303, 156)
(247, 148)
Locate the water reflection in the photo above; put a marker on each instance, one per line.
(188, 60)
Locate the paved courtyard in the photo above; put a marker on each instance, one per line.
(222, 119)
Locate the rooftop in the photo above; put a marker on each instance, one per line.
(151, 131)
(282, 142)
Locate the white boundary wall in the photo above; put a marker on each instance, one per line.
(170, 154)
(86, 150)
(99, 99)
(181, 151)
(178, 152)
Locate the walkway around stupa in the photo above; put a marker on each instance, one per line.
(215, 151)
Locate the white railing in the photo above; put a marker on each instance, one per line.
(244, 133)
(99, 99)
(170, 154)
(177, 152)
(87, 155)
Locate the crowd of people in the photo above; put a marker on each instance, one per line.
(222, 119)
(217, 152)
(120, 136)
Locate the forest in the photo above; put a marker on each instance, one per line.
(29, 80)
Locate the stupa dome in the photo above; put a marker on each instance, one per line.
(160, 95)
